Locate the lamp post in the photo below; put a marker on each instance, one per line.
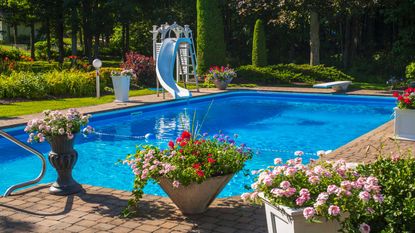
(97, 64)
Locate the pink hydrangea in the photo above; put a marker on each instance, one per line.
(378, 198)
(277, 161)
(267, 181)
(245, 196)
(334, 210)
(314, 179)
(346, 185)
(290, 171)
(332, 189)
(285, 184)
(299, 153)
(309, 212)
(300, 200)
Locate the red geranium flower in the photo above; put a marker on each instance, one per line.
(211, 160)
(197, 166)
(200, 173)
(186, 135)
(408, 101)
(400, 98)
(209, 155)
(171, 144)
(181, 151)
(183, 143)
(395, 94)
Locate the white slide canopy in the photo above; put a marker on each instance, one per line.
(165, 67)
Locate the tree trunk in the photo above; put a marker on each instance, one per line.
(59, 32)
(48, 51)
(86, 7)
(15, 34)
(347, 43)
(74, 25)
(314, 39)
(123, 41)
(96, 45)
(127, 37)
(32, 40)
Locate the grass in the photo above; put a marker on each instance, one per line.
(369, 86)
(30, 107)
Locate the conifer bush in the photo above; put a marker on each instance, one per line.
(259, 47)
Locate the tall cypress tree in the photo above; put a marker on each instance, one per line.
(210, 35)
(259, 47)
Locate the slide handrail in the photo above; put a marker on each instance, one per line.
(31, 150)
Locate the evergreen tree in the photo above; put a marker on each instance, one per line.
(259, 47)
(210, 35)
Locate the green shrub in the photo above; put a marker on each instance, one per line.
(210, 35)
(287, 73)
(11, 53)
(70, 83)
(22, 85)
(397, 211)
(410, 71)
(259, 47)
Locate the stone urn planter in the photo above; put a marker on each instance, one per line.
(220, 84)
(121, 86)
(405, 124)
(195, 198)
(289, 220)
(63, 158)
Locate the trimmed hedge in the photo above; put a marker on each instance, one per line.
(210, 35)
(45, 66)
(287, 73)
(259, 47)
(67, 83)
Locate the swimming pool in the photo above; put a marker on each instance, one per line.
(273, 124)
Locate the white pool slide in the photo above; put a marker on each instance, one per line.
(165, 67)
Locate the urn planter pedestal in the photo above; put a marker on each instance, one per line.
(405, 124)
(195, 198)
(221, 85)
(121, 86)
(282, 219)
(63, 158)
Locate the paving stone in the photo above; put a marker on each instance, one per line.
(75, 228)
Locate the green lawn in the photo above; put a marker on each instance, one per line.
(30, 107)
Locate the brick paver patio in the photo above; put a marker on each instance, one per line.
(98, 209)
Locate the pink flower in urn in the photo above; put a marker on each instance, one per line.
(334, 210)
(267, 181)
(378, 198)
(364, 228)
(290, 171)
(309, 212)
(290, 192)
(300, 200)
(245, 196)
(331, 189)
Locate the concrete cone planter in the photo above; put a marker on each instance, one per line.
(195, 198)
(405, 124)
(289, 220)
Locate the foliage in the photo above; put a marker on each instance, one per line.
(56, 83)
(397, 212)
(410, 71)
(12, 53)
(210, 35)
(287, 73)
(222, 73)
(142, 66)
(407, 99)
(22, 85)
(190, 159)
(324, 189)
(259, 47)
(56, 123)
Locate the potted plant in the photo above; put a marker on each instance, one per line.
(298, 197)
(60, 129)
(221, 76)
(192, 171)
(405, 115)
(121, 83)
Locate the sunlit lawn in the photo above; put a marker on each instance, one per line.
(30, 107)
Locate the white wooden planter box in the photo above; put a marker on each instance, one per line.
(405, 124)
(121, 86)
(282, 219)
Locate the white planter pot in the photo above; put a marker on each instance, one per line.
(282, 219)
(121, 86)
(405, 124)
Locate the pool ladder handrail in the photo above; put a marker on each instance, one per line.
(31, 150)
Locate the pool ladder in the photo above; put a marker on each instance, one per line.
(31, 150)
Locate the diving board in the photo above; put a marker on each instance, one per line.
(337, 86)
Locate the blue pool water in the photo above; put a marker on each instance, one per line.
(273, 124)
